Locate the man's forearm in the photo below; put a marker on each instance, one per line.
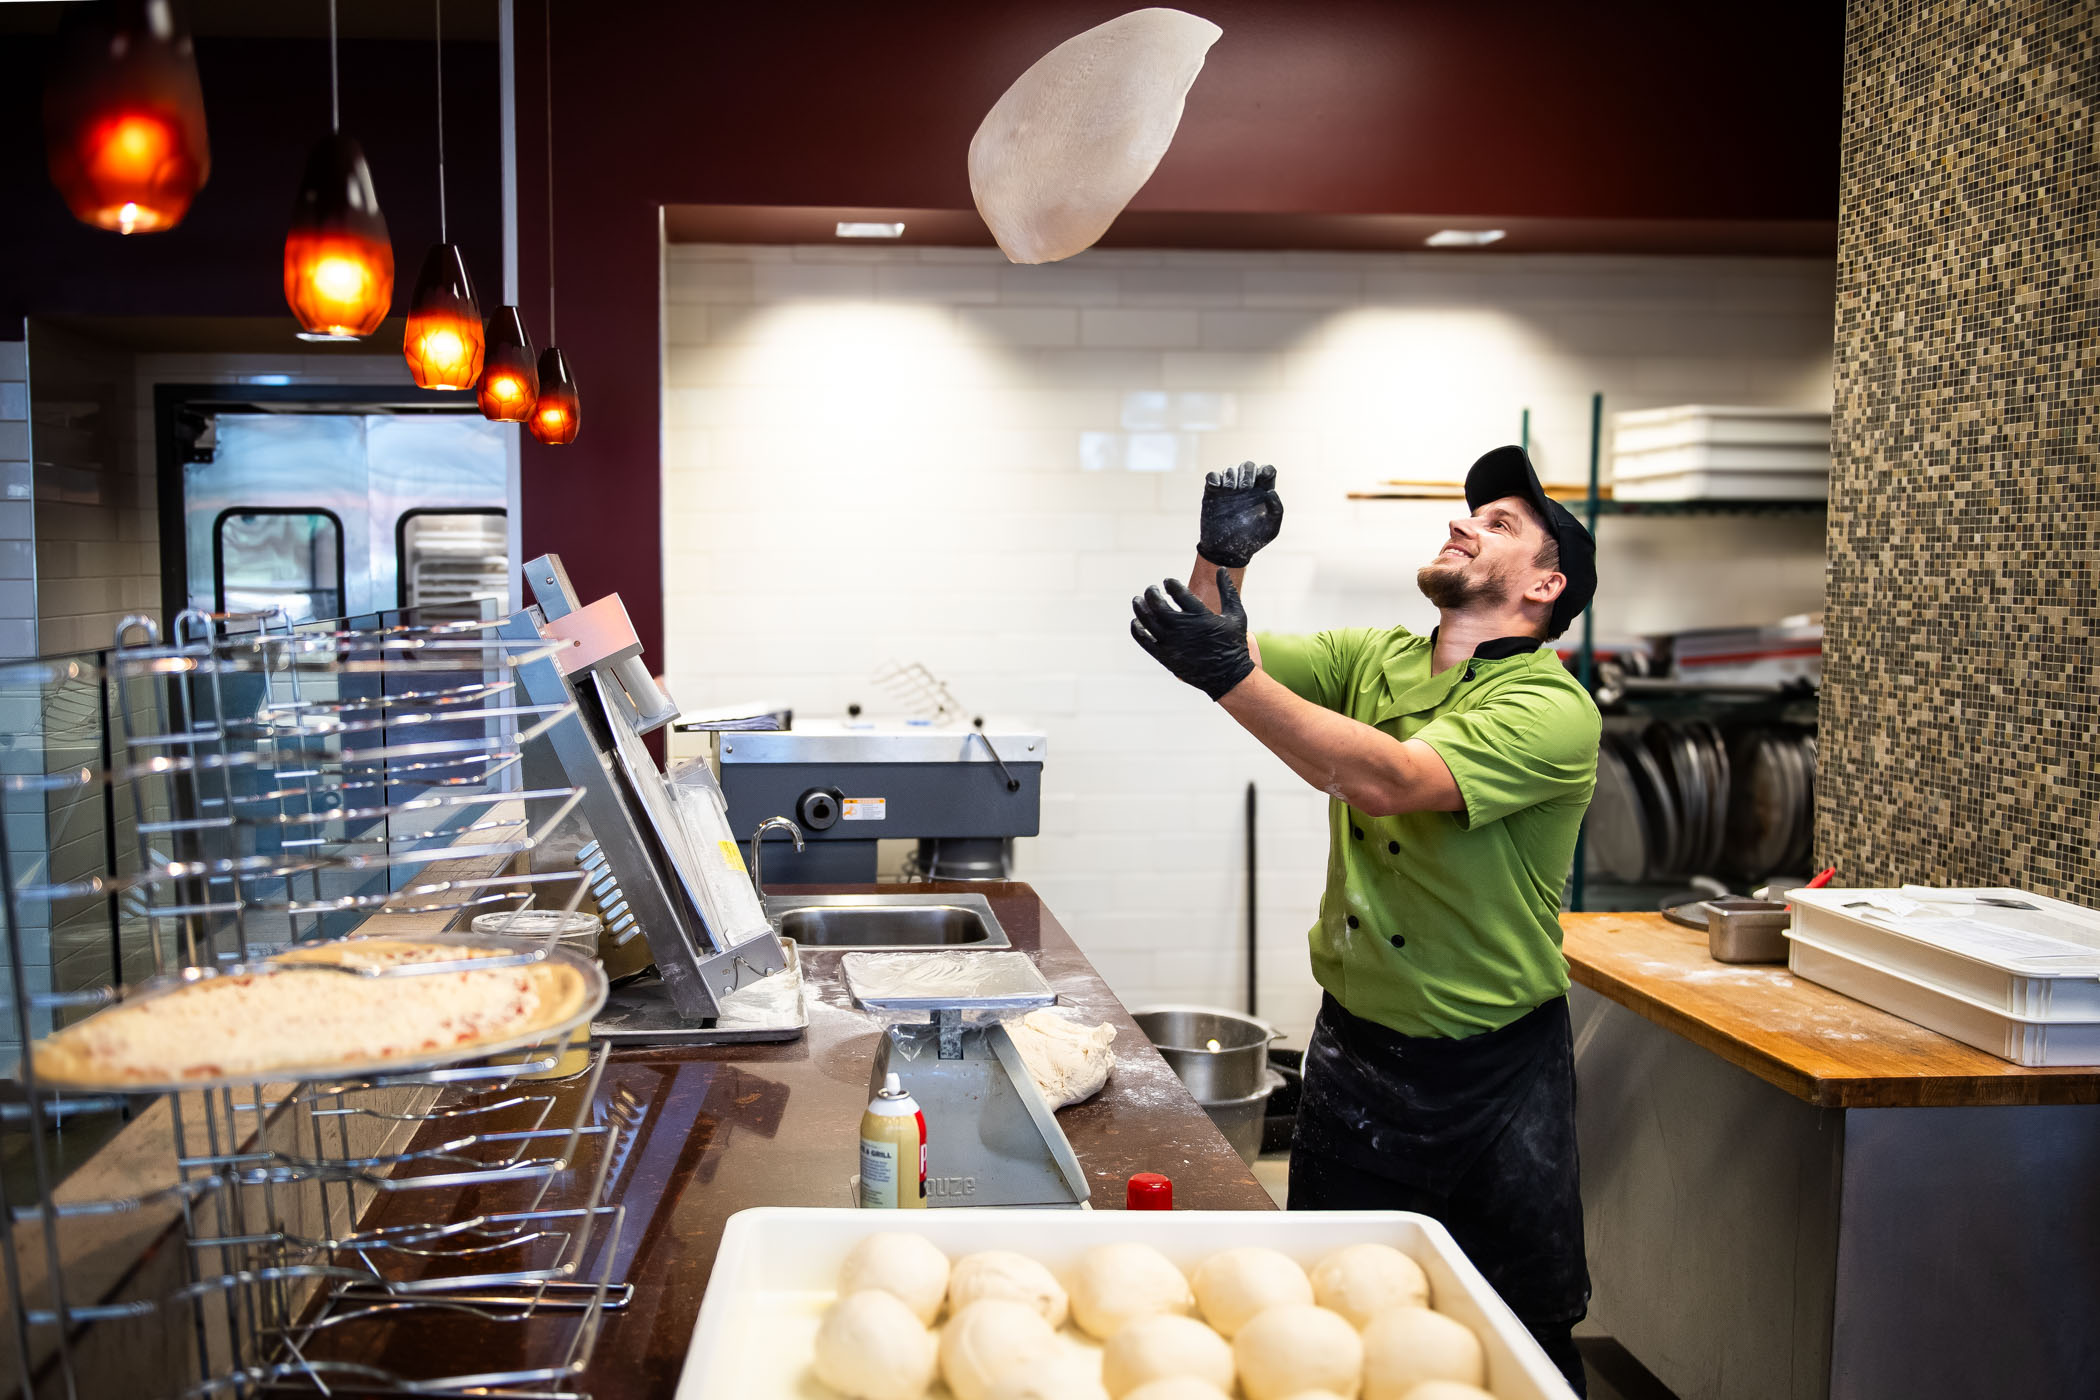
(1203, 582)
(1371, 771)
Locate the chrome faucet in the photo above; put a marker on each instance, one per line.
(758, 845)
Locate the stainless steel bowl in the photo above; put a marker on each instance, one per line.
(1241, 1120)
(1220, 1055)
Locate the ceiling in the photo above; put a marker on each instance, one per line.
(1152, 228)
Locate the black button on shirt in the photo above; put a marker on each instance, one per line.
(1357, 832)
(1398, 941)
(1352, 921)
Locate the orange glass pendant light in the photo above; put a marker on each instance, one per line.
(444, 340)
(558, 415)
(124, 116)
(510, 382)
(338, 260)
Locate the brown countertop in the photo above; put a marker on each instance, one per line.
(1818, 1045)
(713, 1131)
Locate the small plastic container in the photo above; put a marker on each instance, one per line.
(578, 932)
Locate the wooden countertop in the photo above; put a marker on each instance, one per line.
(1814, 1043)
(708, 1132)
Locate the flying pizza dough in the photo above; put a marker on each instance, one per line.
(1079, 133)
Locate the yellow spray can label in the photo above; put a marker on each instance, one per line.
(893, 1151)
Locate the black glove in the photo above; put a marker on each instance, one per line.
(1207, 649)
(1241, 513)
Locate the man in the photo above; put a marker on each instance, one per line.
(1440, 1077)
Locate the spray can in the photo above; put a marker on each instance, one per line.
(893, 1150)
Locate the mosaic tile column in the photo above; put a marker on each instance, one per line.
(1960, 701)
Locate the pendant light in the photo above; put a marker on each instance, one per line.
(444, 340)
(124, 116)
(510, 384)
(558, 415)
(338, 260)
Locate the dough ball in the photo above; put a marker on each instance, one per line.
(871, 1346)
(1235, 1284)
(1405, 1346)
(1116, 1284)
(1067, 1377)
(989, 1339)
(1322, 1395)
(1163, 1345)
(1178, 1388)
(909, 1267)
(1001, 1273)
(1446, 1390)
(1296, 1347)
(1359, 1281)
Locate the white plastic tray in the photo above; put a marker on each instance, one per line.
(1644, 430)
(2049, 982)
(776, 1273)
(2023, 1040)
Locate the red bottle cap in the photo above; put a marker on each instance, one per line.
(1148, 1191)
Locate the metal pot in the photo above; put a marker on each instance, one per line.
(1242, 1120)
(1221, 1055)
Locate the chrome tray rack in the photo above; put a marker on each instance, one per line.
(258, 784)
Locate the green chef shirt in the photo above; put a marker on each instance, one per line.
(1448, 923)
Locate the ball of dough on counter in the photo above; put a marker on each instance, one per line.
(1298, 1347)
(990, 1339)
(1446, 1390)
(1067, 1377)
(909, 1267)
(871, 1346)
(1235, 1284)
(1001, 1273)
(1116, 1284)
(1163, 1345)
(1178, 1388)
(1359, 1281)
(1405, 1346)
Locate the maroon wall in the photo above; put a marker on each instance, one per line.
(1305, 106)
(1341, 106)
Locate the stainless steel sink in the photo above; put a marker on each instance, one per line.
(887, 921)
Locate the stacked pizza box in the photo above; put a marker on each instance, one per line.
(1706, 452)
(2005, 970)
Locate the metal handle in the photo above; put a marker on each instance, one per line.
(1013, 784)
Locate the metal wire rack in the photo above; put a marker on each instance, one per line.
(259, 785)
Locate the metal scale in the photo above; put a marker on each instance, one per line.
(992, 1139)
(644, 868)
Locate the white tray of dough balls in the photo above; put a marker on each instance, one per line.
(966, 1304)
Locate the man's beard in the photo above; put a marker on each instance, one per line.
(1450, 588)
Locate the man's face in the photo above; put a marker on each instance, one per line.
(1488, 558)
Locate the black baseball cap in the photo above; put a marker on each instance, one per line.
(1507, 471)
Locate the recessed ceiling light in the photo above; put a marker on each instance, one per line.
(1461, 237)
(851, 229)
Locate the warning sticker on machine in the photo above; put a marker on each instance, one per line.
(863, 809)
(733, 857)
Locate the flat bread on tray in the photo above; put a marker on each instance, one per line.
(311, 1022)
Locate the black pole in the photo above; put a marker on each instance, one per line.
(1253, 928)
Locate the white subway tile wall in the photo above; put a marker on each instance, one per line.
(928, 455)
